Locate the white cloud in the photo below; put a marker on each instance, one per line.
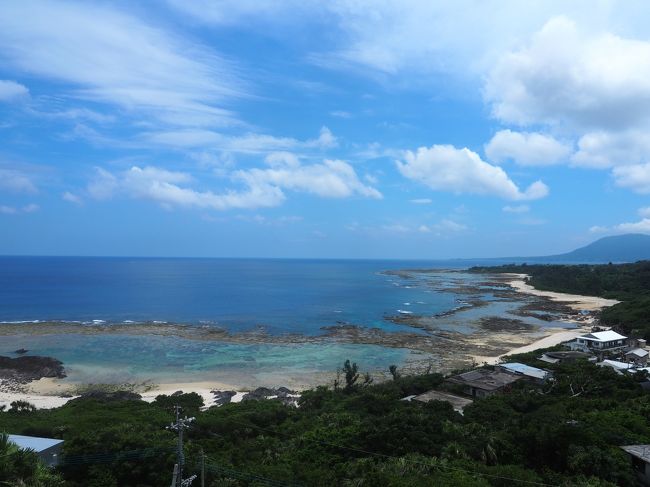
(12, 210)
(72, 198)
(10, 90)
(603, 149)
(516, 209)
(253, 143)
(421, 201)
(526, 149)
(162, 186)
(340, 114)
(120, 60)
(635, 177)
(446, 168)
(567, 77)
(644, 212)
(331, 179)
(642, 226)
(260, 187)
(16, 181)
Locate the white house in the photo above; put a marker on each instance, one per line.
(600, 341)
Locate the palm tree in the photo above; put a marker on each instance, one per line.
(19, 467)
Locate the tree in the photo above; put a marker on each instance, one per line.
(351, 372)
(393, 371)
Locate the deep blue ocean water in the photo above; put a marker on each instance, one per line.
(282, 295)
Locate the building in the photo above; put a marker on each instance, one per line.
(617, 365)
(640, 460)
(457, 402)
(566, 356)
(533, 374)
(600, 341)
(49, 450)
(484, 382)
(638, 356)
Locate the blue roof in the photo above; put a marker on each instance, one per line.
(34, 442)
(525, 370)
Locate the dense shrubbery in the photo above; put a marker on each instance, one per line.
(567, 433)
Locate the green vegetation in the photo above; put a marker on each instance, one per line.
(629, 283)
(359, 434)
(23, 468)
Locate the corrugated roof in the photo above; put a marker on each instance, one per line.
(615, 364)
(638, 352)
(34, 442)
(485, 379)
(524, 369)
(639, 451)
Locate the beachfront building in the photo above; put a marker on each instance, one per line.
(599, 342)
(640, 460)
(48, 449)
(484, 382)
(532, 374)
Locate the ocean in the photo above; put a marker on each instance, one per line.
(280, 297)
(284, 296)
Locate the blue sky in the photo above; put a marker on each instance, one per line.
(357, 129)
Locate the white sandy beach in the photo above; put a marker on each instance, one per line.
(575, 301)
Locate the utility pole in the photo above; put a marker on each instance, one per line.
(202, 468)
(179, 426)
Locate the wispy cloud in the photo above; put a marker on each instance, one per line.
(122, 61)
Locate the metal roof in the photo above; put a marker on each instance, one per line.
(526, 370)
(603, 336)
(457, 402)
(616, 364)
(638, 352)
(34, 442)
(639, 451)
(485, 379)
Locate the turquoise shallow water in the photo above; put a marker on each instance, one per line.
(119, 359)
(282, 296)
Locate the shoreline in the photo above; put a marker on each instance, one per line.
(52, 393)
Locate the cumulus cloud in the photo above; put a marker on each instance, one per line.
(526, 149)
(635, 177)
(603, 149)
(446, 168)
(566, 77)
(10, 90)
(164, 187)
(16, 181)
(331, 179)
(644, 212)
(258, 187)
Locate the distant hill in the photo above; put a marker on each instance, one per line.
(620, 248)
